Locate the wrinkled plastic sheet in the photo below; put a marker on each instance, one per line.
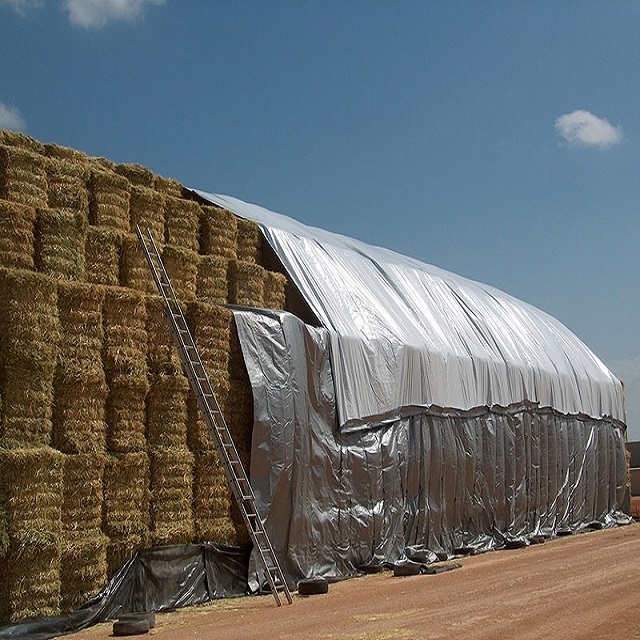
(435, 480)
(407, 334)
(158, 579)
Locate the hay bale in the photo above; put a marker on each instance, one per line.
(182, 269)
(125, 338)
(21, 141)
(125, 413)
(218, 232)
(59, 152)
(134, 270)
(275, 287)
(23, 177)
(30, 585)
(171, 495)
(136, 174)
(59, 243)
(199, 436)
(182, 223)
(249, 242)
(210, 327)
(67, 184)
(162, 354)
(121, 548)
(126, 496)
(146, 209)
(17, 226)
(168, 186)
(167, 411)
(102, 256)
(83, 568)
(82, 493)
(109, 196)
(79, 424)
(211, 281)
(246, 284)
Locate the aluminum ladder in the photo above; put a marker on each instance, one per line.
(201, 385)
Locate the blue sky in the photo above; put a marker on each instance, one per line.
(500, 140)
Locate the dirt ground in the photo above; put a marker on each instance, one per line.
(584, 586)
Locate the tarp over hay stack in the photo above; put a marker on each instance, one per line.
(102, 450)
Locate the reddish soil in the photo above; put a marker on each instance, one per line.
(585, 586)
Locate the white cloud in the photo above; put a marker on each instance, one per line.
(583, 128)
(10, 118)
(97, 13)
(21, 7)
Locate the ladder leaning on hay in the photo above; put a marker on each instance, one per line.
(209, 406)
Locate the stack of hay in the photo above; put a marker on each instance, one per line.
(103, 449)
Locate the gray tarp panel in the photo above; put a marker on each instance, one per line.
(443, 479)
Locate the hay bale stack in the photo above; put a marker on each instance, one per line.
(275, 288)
(182, 222)
(249, 242)
(109, 196)
(168, 186)
(171, 495)
(29, 343)
(182, 269)
(102, 256)
(218, 232)
(67, 181)
(167, 411)
(83, 568)
(246, 283)
(134, 270)
(212, 501)
(31, 498)
(23, 178)
(136, 174)
(146, 209)
(162, 354)
(59, 243)
(211, 281)
(82, 493)
(17, 227)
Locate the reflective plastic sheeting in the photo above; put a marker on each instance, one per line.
(407, 334)
(441, 480)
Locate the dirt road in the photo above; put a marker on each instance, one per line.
(585, 586)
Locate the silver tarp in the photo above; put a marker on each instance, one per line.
(428, 412)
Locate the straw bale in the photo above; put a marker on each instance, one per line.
(109, 196)
(171, 495)
(136, 174)
(238, 413)
(17, 224)
(30, 584)
(59, 243)
(249, 242)
(79, 424)
(102, 256)
(31, 484)
(125, 338)
(246, 283)
(210, 327)
(199, 436)
(146, 209)
(83, 568)
(101, 164)
(69, 154)
(126, 495)
(275, 286)
(168, 186)
(162, 354)
(211, 282)
(67, 184)
(23, 177)
(82, 494)
(21, 140)
(134, 270)
(167, 411)
(125, 413)
(218, 232)
(121, 548)
(182, 222)
(182, 269)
